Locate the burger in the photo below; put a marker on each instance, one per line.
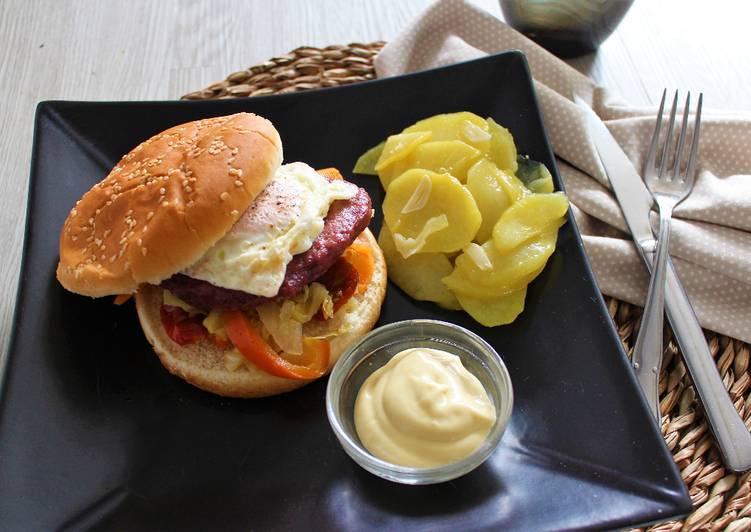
(250, 277)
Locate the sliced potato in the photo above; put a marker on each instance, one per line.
(409, 246)
(420, 275)
(529, 217)
(399, 146)
(509, 272)
(502, 149)
(453, 157)
(491, 198)
(475, 246)
(511, 184)
(491, 312)
(436, 195)
(465, 126)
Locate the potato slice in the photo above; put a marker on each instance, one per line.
(453, 157)
(436, 195)
(492, 199)
(529, 217)
(409, 246)
(502, 149)
(509, 271)
(512, 185)
(464, 126)
(496, 311)
(420, 275)
(396, 148)
(399, 146)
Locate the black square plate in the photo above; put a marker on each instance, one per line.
(95, 433)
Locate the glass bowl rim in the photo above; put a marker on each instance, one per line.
(422, 475)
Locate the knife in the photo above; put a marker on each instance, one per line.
(733, 438)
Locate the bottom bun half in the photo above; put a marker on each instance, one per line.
(203, 364)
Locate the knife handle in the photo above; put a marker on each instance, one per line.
(733, 438)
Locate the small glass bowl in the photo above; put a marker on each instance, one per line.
(374, 350)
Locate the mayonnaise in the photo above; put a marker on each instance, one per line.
(423, 409)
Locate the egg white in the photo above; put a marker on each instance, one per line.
(283, 221)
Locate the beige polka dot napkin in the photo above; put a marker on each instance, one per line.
(711, 238)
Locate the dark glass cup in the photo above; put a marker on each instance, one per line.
(567, 28)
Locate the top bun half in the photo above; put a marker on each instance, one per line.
(166, 203)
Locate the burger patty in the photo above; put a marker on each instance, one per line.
(345, 220)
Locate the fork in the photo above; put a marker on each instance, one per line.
(668, 187)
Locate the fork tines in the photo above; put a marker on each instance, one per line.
(690, 166)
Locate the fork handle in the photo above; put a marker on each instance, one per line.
(732, 435)
(647, 357)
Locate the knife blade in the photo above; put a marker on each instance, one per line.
(733, 438)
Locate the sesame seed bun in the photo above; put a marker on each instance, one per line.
(203, 364)
(166, 203)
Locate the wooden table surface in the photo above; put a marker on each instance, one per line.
(145, 50)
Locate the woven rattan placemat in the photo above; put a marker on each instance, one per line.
(722, 500)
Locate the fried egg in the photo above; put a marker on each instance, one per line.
(284, 220)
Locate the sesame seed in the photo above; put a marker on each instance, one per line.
(74, 238)
(190, 203)
(103, 256)
(238, 183)
(188, 189)
(107, 232)
(165, 204)
(162, 191)
(73, 212)
(224, 195)
(143, 251)
(139, 242)
(234, 212)
(150, 215)
(113, 257)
